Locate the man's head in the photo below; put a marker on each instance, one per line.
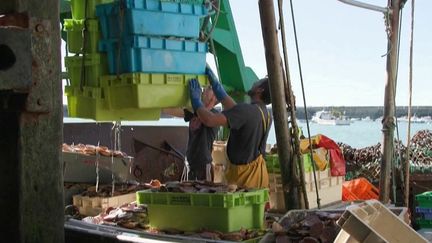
(209, 98)
(260, 91)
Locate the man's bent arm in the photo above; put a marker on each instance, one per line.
(228, 102)
(177, 112)
(211, 119)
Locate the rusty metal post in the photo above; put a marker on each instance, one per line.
(275, 73)
(388, 122)
(31, 111)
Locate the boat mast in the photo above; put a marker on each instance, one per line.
(388, 122)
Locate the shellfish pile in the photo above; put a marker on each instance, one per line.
(89, 149)
(365, 162)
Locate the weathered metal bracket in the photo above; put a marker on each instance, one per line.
(26, 63)
(40, 97)
(15, 59)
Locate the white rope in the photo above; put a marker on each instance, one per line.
(186, 170)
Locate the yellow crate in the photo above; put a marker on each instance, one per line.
(148, 90)
(92, 206)
(90, 103)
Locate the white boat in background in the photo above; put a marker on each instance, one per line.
(416, 119)
(368, 119)
(327, 118)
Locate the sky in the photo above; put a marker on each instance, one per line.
(341, 51)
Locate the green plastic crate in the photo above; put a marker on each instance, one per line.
(75, 35)
(424, 200)
(424, 223)
(78, 8)
(272, 163)
(225, 212)
(90, 103)
(307, 162)
(145, 90)
(273, 166)
(95, 65)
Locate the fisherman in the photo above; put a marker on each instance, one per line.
(249, 126)
(201, 137)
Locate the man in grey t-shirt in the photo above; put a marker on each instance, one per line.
(249, 126)
(201, 138)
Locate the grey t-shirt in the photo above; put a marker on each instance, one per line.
(246, 139)
(200, 144)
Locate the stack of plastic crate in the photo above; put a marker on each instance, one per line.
(152, 50)
(424, 209)
(87, 65)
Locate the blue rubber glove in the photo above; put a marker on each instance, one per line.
(195, 94)
(217, 87)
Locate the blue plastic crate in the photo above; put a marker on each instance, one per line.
(423, 210)
(427, 216)
(150, 17)
(155, 55)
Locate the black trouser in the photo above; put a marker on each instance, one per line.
(198, 173)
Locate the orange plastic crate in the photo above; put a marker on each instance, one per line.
(359, 189)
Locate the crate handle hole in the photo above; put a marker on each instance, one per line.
(7, 57)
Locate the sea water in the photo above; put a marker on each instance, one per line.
(358, 134)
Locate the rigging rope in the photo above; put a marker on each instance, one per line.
(396, 120)
(304, 102)
(216, 7)
(407, 162)
(289, 99)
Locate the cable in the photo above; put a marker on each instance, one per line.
(407, 163)
(214, 22)
(396, 120)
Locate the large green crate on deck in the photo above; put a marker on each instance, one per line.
(75, 35)
(95, 65)
(424, 200)
(78, 8)
(90, 103)
(148, 90)
(225, 212)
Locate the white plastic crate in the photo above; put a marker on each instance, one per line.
(373, 222)
(329, 189)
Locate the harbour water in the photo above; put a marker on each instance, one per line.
(358, 134)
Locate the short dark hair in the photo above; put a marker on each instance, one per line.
(265, 95)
